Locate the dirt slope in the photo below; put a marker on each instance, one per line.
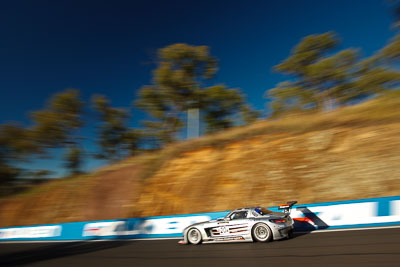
(108, 195)
(328, 165)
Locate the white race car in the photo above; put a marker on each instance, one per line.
(245, 224)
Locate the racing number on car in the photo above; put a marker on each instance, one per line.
(223, 230)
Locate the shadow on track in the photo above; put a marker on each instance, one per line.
(54, 251)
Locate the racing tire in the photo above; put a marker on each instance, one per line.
(194, 236)
(261, 232)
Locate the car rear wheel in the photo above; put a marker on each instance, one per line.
(194, 236)
(261, 232)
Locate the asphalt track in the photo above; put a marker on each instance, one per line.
(349, 248)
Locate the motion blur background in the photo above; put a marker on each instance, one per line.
(141, 108)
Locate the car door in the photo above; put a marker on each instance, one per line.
(236, 225)
(239, 223)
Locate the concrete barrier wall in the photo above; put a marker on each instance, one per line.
(308, 217)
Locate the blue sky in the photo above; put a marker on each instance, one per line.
(109, 47)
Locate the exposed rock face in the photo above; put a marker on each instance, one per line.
(335, 164)
(329, 165)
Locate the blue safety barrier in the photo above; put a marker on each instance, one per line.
(307, 217)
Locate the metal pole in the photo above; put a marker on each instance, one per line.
(193, 123)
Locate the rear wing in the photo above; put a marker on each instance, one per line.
(286, 207)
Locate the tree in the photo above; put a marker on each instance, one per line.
(73, 160)
(392, 50)
(374, 77)
(132, 139)
(322, 80)
(395, 8)
(249, 115)
(178, 80)
(57, 124)
(15, 146)
(116, 139)
(39, 175)
(165, 122)
(378, 73)
(220, 104)
(179, 85)
(289, 97)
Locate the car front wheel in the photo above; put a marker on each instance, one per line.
(194, 236)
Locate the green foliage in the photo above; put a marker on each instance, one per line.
(308, 51)
(73, 160)
(16, 141)
(178, 85)
(8, 174)
(56, 125)
(220, 104)
(323, 80)
(132, 140)
(15, 146)
(249, 115)
(288, 97)
(178, 79)
(181, 71)
(115, 137)
(166, 121)
(39, 174)
(376, 80)
(392, 50)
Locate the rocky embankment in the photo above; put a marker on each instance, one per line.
(329, 165)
